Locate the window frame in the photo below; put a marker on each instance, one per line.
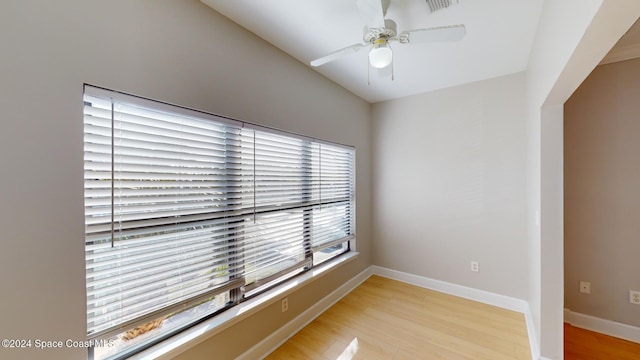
(246, 292)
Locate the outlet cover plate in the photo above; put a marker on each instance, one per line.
(634, 297)
(585, 287)
(475, 267)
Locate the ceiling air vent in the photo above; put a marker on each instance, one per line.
(436, 5)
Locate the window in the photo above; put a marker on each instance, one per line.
(188, 214)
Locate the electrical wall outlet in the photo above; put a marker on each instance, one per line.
(475, 267)
(634, 297)
(285, 304)
(585, 287)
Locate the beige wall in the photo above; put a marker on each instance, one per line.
(602, 197)
(449, 185)
(178, 51)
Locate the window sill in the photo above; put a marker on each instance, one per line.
(203, 331)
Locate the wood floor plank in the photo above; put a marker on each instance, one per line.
(417, 334)
(447, 319)
(390, 320)
(581, 344)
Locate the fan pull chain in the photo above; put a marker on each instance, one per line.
(368, 73)
(392, 68)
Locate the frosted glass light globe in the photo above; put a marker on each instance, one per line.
(380, 56)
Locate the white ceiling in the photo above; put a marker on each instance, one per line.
(500, 35)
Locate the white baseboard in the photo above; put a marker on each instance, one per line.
(279, 337)
(531, 331)
(482, 296)
(603, 326)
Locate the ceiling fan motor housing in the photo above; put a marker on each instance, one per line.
(388, 31)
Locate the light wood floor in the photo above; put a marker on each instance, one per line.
(580, 344)
(387, 319)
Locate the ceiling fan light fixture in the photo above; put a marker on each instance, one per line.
(380, 55)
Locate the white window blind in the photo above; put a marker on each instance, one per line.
(181, 206)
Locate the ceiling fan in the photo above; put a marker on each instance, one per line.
(380, 32)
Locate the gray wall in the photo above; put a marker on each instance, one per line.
(602, 201)
(449, 185)
(178, 51)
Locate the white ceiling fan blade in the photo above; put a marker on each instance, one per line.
(372, 13)
(337, 54)
(437, 34)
